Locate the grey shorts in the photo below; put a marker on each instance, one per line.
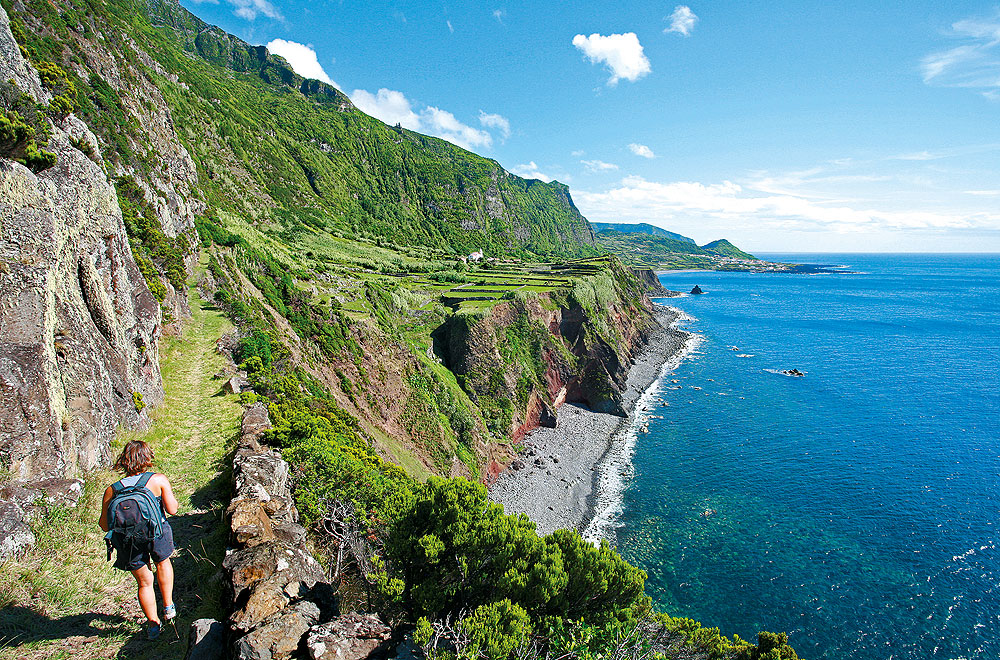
(157, 550)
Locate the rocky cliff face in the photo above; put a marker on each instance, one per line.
(78, 325)
(569, 355)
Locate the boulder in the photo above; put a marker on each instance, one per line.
(255, 422)
(547, 417)
(696, 291)
(206, 640)
(61, 492)
(279, 636)
(348, 637)
(236, 384)
(260, 578)
(15, 535)
(19, 494)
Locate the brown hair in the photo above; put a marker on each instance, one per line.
(135, 458)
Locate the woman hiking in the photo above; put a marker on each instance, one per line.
(134, 515)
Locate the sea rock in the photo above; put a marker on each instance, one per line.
(348, 637)
(206, 640)
(279, 636)
(696, 291)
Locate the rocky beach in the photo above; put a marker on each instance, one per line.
(570, 476)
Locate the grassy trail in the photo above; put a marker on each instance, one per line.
(63, 600)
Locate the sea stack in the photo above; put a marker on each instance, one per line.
(696, 291)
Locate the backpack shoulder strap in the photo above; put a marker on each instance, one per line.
(143, 480)
(116, 487)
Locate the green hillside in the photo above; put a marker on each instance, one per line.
(290, 153)
(724, 248)
(644, 250)
(640, 228)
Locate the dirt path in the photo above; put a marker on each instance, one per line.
(63, 600)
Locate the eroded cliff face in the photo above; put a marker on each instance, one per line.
(79, 328)
(570, 356)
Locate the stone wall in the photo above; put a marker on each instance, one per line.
(282, 604)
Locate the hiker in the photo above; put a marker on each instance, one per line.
(133, 515)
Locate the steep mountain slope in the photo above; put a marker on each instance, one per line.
(188, 120)
(290, 154)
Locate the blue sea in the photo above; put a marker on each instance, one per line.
(857, 507)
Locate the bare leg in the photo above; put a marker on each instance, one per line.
(165, 578)
(147, 598)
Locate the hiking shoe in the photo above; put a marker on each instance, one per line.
(153, 631)
(170, 611)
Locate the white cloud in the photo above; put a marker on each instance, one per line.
(577, 153)
(530, 171)
(598, 166)
(250, 9)
(641, 150)
(974, 64)
(393, 108)
(636, 199)
(983, 193)
(302, 58)
(450, 28)
(682, 20)
(621, 53)
(499, 14)
(390, 106)
(917, 155)
(444, 125)
(498, 122)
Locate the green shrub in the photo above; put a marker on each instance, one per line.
(23, 129)
(495, 630)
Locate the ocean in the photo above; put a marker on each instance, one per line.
(857, 507)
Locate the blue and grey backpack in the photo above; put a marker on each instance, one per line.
(134, 516)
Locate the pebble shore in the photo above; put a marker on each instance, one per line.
(558, 483)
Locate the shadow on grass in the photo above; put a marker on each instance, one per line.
(21, 625)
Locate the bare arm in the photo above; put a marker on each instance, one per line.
(103, 522)
(167, 495)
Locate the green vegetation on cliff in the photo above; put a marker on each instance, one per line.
(388, 359)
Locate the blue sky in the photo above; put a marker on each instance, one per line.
(783, 126)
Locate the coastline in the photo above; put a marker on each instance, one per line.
(572, 476)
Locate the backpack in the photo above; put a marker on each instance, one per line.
(134, 516)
